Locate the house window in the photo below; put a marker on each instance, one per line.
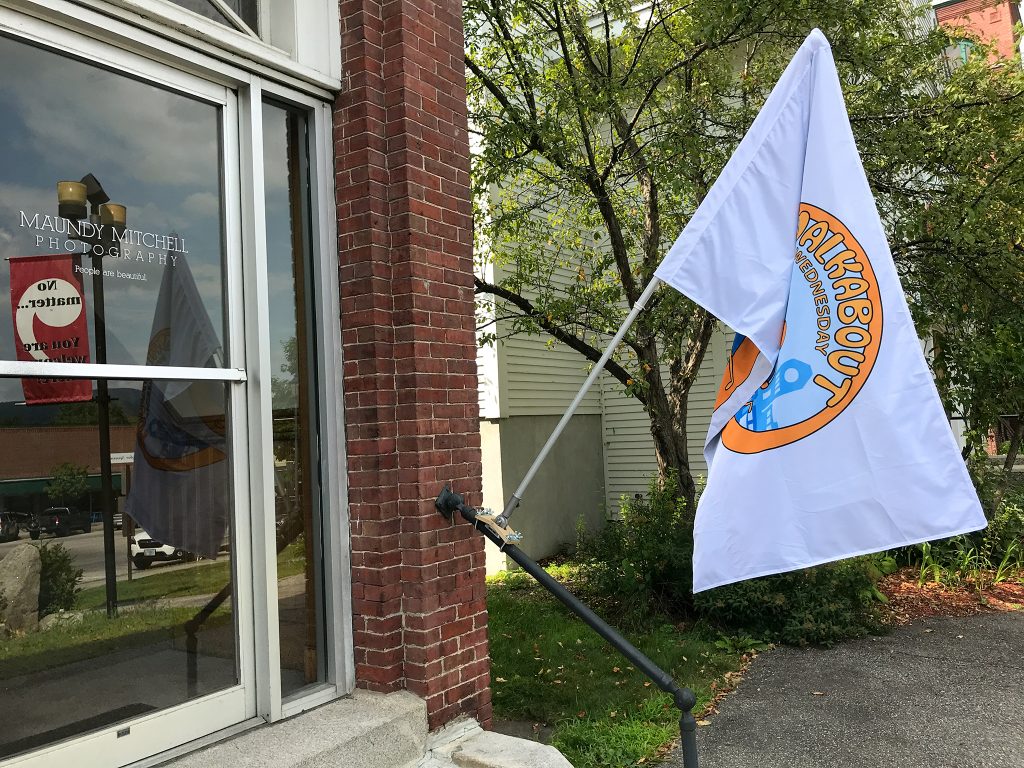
(171, 204)
(172, 639)
(233, 13)
(165, 425)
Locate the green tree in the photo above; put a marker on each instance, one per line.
(602, 125)
(284, 389)
(86, 414)
(960, 249)
(68, 483)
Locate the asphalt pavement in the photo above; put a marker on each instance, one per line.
(937, 694)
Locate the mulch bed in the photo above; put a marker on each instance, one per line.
(908, 601)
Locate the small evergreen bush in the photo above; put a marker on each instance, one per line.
(58, 579)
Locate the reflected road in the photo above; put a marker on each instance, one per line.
(87, 549)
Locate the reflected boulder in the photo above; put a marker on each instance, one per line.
(61, 619)
(19, 589)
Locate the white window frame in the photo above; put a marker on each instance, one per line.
(151, 26)
(183, 64)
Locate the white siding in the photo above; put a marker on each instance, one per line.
(702, 398)
(542, 380)
(536, 376)
(488, 387)
(487, 364)
(628, 447)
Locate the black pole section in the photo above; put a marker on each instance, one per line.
(192, 627)
(103, 408)
(448, 503)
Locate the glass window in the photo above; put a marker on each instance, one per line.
(113, 243)
(163, 499)
(123, 240)
(118, 182)
(246, 10)
(293, 389)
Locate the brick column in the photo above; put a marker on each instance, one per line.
(405, 240)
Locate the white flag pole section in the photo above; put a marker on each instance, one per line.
(516, 497)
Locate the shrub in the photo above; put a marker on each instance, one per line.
(643, 565)
(818, 606)
(643, 562)
(1005, 528)
(58, 579)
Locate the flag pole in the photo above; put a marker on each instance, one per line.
(638, 307)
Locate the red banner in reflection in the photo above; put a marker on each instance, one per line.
(48, 305)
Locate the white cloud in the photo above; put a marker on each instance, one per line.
(202, 204)
(77, 110)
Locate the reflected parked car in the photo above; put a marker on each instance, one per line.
(97, 519)
(59, 521)
(145, 550)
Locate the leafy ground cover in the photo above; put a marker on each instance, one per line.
(547, 667)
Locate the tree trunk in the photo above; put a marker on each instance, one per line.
(667, 402)
(670, 447)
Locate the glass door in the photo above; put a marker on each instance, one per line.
(124, 507)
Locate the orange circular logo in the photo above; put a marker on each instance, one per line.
(830, 342)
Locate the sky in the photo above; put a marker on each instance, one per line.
(155, 151)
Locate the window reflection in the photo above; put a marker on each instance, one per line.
(152, 151)
(245, 9)
(293, 398)
(180, 491)
(66, 668)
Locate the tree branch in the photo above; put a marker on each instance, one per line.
(573, 342)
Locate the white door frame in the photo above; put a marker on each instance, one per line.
(66, 28)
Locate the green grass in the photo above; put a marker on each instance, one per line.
(206, 578)
(549, 667)
(96, 635)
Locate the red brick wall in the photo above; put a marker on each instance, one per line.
(405, 240)
(991, 20)
(39, 449)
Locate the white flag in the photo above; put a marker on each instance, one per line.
(179, 491)
(828, 439)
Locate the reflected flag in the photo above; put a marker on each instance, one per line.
(179, 492)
